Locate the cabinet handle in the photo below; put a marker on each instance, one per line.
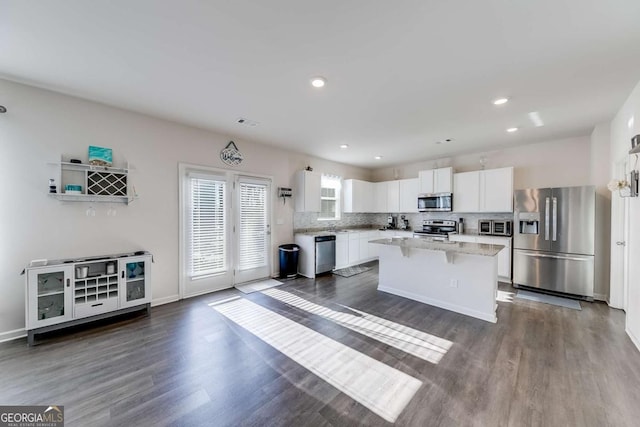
(68, 282)
(123, 274)
(96, 305)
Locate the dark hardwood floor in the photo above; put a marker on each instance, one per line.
(188, 365)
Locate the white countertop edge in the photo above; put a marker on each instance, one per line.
(481, 249)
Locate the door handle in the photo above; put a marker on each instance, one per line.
(555, 218)
(546, 219)
(554, 256)
(621, 243)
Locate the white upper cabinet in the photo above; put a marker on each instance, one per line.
(379, 197)
(436, 180)
(393, 196)
(466, 192)
(357, 196)
(483, 191)
(307, 191)
(496, 190)
(409, 190)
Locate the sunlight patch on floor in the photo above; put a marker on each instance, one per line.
(381, 388)
(505, 296)
(420, 344)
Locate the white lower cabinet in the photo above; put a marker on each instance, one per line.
(69, 292)
(354, 247)
(342, 250)
(504, 256)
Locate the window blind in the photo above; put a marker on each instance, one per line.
(252, 226)
(207, 226)
(330, 197)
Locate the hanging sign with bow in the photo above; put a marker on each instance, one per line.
(231, 155)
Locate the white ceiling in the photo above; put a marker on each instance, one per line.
(401, 74)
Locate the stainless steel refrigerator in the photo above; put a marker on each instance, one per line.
(554, 239)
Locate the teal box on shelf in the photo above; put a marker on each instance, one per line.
(100, 156)
(73, 189)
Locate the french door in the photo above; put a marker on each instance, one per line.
(253, 229)
(225, 225)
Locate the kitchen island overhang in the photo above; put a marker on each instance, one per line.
(456, 276)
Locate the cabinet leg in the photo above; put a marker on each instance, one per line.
(30, 338)
(148, 309)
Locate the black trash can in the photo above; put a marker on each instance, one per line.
(289, 260)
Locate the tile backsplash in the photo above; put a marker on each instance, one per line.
(309, 221)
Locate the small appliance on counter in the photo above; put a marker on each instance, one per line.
(495, 227)
(436, 229)
(392, 222)
(404, 222)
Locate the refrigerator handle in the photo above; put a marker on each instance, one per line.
(546, 219)
(555, 218)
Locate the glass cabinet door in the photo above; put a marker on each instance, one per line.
(49, 294)
(134, 276)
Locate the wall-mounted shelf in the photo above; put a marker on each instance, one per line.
(99, 183)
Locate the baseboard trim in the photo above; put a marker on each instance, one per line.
(165, 300)
(489, 317)
(634, 340)
(600, 297)
(13, 335)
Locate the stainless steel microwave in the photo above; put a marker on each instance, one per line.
(435, 202)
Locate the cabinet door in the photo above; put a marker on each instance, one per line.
(426, 181)
(347, 195)
(307, 191)
(135, 280)
(354, 247)
(357, 196)
(496, 188)
(380, 197)
(466, 192)
(409, 189)
(49, 294)
(393, 196)
(504, 256)
(442, 179)
(364, 246)
(373, 249)
(342, 252)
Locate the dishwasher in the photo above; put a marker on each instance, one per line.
(325, 253)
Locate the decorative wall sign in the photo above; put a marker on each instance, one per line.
(231, 155)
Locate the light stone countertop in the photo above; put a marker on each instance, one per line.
(405, 243)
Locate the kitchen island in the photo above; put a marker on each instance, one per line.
(457, 276)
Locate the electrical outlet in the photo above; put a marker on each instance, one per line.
(453, 283)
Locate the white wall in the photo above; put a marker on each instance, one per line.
(625, 125)
(556, 163)
(40, 126)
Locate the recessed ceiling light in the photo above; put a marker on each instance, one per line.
(630, 122)
(318, 82)
(377, 157)
(343, 146)
(500, 101)
(511, 130)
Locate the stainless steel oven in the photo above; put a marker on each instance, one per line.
(436, 229)
(435, 202)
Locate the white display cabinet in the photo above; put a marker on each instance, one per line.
(67, 292)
